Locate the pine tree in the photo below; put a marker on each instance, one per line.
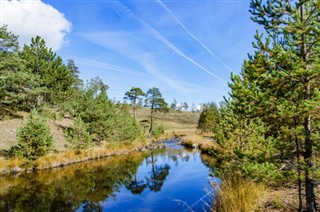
(279, 83)
(18, 86)
(34, 138)
(133, 95)
(74, 73)
(208, 118)
(155, 101)
(78, 135)
(54, 75)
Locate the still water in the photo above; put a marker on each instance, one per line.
(172, 179)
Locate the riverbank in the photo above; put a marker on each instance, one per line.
(164, 177)
(182, 122)
(68, 157)
(237, 193)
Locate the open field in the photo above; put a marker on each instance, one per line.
(172, 121)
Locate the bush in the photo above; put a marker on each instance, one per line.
(78, 135)
(34, 139)
(262, 172)
(157, 131)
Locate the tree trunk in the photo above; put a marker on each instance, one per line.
(298, 155)
(309, 184)
(151, 121)
(134, 108)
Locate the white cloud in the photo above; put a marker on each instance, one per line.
(30, 18)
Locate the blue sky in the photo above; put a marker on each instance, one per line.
(186, 48)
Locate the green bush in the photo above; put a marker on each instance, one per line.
(34, 138)
(262, 172)
(78, 136)
(157, 131)
(105, 120)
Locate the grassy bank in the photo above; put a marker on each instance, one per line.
(174, 123)
(12, 165)
(237, 193)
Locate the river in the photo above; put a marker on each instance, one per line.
(170, 179)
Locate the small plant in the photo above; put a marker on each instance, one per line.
(34, 138)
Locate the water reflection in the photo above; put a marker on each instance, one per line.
(147, 181)
(68, 188)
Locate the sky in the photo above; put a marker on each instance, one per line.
(186, 48)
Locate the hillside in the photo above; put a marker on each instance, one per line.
(172, 121)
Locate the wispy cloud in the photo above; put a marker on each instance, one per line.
(149, 66)
(109, 67)
(192, 35)
(166, 42)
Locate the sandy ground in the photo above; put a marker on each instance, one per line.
(9, 128)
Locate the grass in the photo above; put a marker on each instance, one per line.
(172, 121)
(237, 194)
(180, 122)
(205, 143)
(67, 157)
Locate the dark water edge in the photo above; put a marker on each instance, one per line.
(172, 179)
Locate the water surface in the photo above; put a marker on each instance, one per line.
(173, 179)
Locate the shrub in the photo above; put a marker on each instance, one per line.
(34, 138)
(78, 136)
(157, 131)
(262, 172)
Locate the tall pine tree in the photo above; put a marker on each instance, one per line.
(279, 84)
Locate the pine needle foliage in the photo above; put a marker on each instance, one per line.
(78, 136)
(272, 121)
(34, 138)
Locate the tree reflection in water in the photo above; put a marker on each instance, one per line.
(92, 186)
(158, 174)
(81, 185)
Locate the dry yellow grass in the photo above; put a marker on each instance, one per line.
(239, 195)
(68, 157)
(11, 165)
(71, 156)
(172, 121)
(204, 142)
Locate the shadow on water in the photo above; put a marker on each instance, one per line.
(143, 181)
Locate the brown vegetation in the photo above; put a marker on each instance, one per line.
(238, 194)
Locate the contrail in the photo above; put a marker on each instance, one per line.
(166, 42)
(192, 35)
